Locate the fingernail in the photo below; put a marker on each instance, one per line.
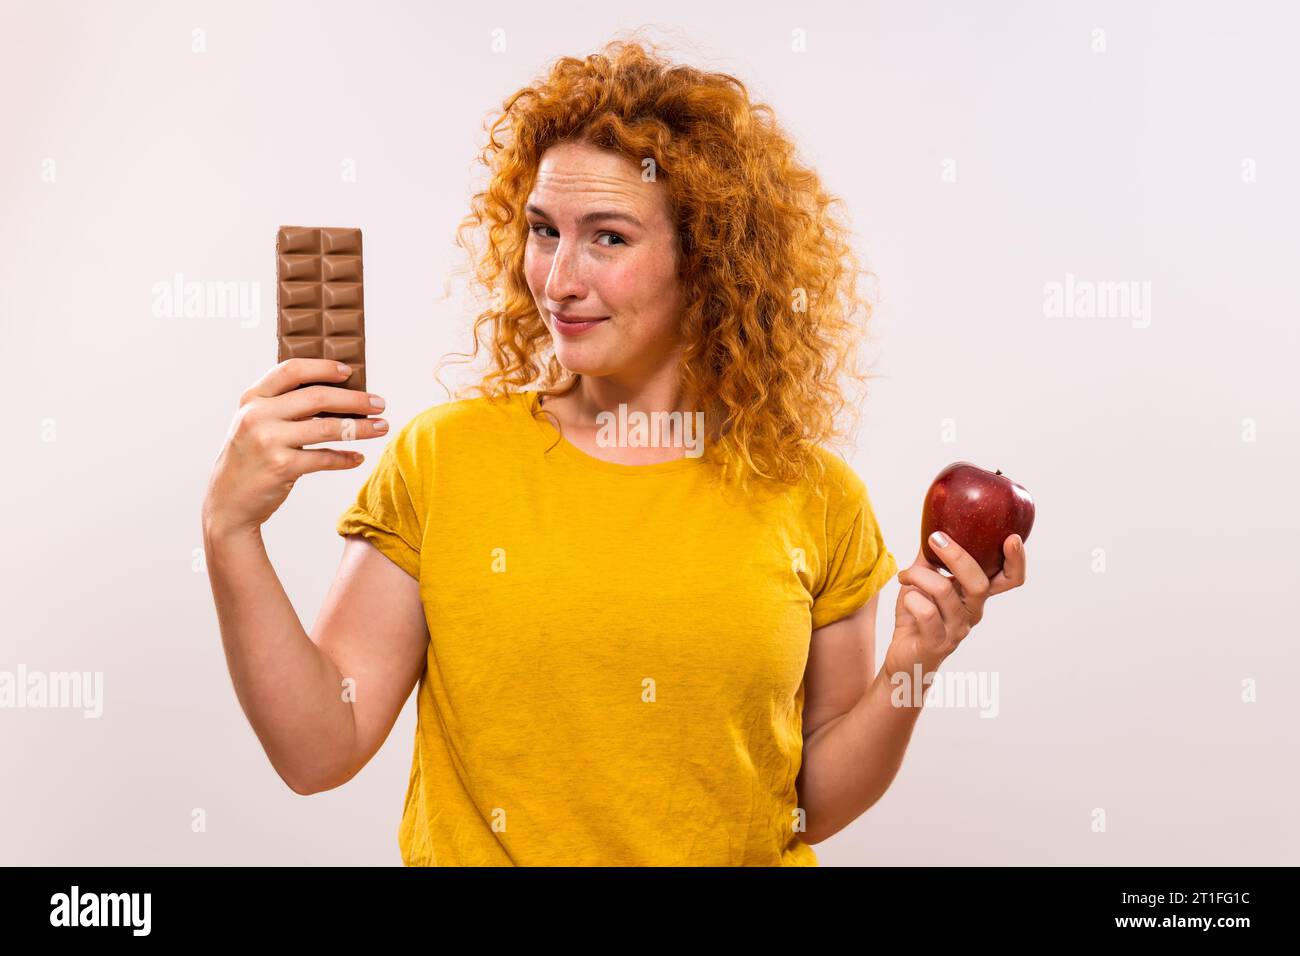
(381, 425)
(376, 401)
(345, 369)
(939, 539)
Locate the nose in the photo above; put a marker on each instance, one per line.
(564, 280)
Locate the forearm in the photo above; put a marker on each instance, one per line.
(849, 763)
(290, 690)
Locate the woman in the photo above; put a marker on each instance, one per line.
(634, 644)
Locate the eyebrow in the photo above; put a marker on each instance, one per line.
(599, 215)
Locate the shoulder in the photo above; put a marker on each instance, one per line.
(463, 418)
(839, 500)
(839, 485)
(461, 429)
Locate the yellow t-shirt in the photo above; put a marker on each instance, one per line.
(616, 656)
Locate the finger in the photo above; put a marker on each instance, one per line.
(922, 561)
(974, 582)
(314, 430)
(942, 591)
(1013, 570)
(324, 459)
(293, 372)
(311, 400)
(928, 619)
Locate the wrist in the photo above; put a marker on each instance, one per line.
(908, 664)
(217, 532)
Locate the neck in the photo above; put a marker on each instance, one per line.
(660, 391)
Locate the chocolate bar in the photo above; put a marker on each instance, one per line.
(320, 308)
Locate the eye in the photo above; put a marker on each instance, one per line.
(533, 229)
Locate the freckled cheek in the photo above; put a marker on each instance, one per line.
(624, 290)
(645, 293)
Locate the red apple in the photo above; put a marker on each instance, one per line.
(979, 510)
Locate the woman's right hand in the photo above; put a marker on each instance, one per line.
(264, 456)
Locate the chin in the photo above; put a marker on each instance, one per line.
(583, 361)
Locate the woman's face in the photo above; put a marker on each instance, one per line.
(602, 245)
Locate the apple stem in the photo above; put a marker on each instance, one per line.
(998, 472)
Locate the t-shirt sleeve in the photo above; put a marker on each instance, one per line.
(386, 511)
(859, 563)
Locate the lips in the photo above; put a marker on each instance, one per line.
(568, 324)
(570, 317)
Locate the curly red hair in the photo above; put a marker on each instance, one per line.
(774, 316)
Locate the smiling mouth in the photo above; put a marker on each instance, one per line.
(573, 326)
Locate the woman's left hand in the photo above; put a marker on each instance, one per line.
(935, 613)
